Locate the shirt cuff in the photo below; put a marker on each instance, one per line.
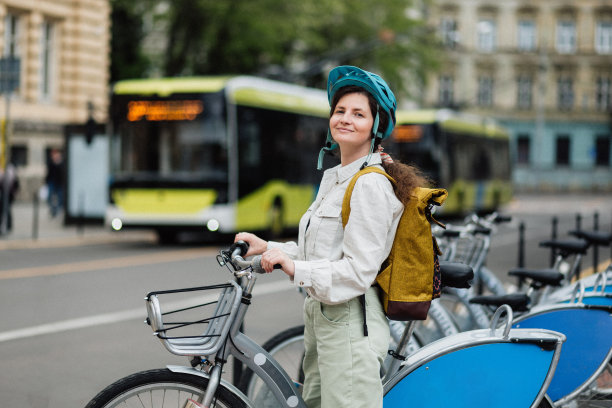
(274, 244)
(302, 276)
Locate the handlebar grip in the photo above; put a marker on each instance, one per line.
(256, 265)
(242, 245)
(503, 218)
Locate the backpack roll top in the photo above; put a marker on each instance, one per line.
(410, 276)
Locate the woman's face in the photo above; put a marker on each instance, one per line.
(351, 123)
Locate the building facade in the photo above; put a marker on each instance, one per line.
(63, 48)
(543, 68)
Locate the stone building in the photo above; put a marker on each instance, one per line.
(543, 68)
(63, 48)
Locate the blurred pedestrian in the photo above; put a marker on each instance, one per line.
(9, 185)
(56, 175)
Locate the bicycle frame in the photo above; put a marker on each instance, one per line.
(528, 359)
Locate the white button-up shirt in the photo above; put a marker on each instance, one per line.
(336, 264)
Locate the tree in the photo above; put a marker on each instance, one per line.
(127, 58)
(297, 41)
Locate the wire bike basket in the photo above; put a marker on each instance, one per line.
(176, 327)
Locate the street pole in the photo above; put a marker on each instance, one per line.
(4, 161)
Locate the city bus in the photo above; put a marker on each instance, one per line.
(467, 155)
(213, 154)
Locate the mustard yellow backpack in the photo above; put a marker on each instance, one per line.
(410, 277)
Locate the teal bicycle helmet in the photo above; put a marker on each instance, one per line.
(347, 75)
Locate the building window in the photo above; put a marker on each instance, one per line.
(563, 150)
(445, 93)
(525, 90)
(448, 32)
(603, 96)
(602, 151)
(11, 35)
(46, 57)
(486, 35)
(603, 37)
(19, 155)
(523, 145)
(526, 35)
(566, 37)
(485, 91)
(565, 93)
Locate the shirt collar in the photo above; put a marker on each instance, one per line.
(345, 172)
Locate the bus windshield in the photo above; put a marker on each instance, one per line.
(416, 145)
(182, 138)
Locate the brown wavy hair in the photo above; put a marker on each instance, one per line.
(406, 176)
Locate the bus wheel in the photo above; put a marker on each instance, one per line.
(275, 219)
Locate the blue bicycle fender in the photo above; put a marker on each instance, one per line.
(589, 340)
(499, 375)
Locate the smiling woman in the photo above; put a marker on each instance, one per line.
(336, 263)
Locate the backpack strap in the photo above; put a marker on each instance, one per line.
(346, 202)
(346, 211)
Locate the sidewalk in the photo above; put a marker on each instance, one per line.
(45, 231)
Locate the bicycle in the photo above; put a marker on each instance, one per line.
(529, 358)
(585, 319)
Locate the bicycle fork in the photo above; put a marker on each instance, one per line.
(214, 380)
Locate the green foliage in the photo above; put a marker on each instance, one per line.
(127, 58)
(292, 40)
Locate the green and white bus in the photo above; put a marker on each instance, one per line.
(467, 155)
(216, 154)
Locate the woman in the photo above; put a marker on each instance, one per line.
(338, 265)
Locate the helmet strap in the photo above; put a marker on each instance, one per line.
(375, 131)
(365, 163)
(329, 146)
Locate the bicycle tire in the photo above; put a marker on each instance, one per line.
(287, 348)
(161, 388)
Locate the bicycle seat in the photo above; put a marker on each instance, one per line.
(451, 233)
(543, 276)
(567, 247)
(600, 238)
(456, 275)
(519, 302)
(482, 230)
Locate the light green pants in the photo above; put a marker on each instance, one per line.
(341, 365)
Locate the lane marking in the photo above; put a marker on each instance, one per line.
(113, 263)
(124, 315)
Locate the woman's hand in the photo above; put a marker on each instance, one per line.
(257, 246)
(277, 257)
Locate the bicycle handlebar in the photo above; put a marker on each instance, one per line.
(234, 256)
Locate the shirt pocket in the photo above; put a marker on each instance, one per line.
(329, 231)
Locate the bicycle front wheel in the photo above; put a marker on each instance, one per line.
(160, 388)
